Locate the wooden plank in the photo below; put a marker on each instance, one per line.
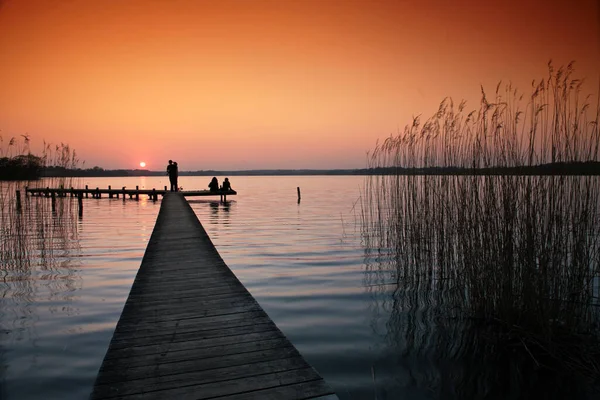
(186, 336)
(191, 312)
(194, 325)
(141, 288)
(299, 391)
(188, 291)
(138, 337)
(173, 382)
(148, 372)
(194, 391)
(164, 349)
(126, 328)
(216, 303)
(185, 276)
(196, 353)
(189, 298)
(189, 328)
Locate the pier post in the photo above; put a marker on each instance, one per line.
(123, 189)
(86, 191)
(19, 200)
(80, 204)
(137, 192)
(298, 188)
(97, 192)
(53, 201)
(154, 195)
(72, 192)
(48, 192)
(110, 195)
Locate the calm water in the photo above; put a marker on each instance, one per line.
(305, 264)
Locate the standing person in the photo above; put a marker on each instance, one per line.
(172, 175)
(176, 175)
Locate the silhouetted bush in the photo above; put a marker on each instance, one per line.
(21, 167)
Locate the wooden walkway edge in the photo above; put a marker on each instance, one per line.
(190, 330)
(97, 192)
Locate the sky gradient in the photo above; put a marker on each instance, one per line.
(265, 84)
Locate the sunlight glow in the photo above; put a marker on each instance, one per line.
(142, 164)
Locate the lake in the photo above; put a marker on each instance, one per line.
(305, 263)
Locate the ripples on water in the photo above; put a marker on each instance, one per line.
(338, 302)
(60, 304)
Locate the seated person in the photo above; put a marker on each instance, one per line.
(214, 184)
(226, 185)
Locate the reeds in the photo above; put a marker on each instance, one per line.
(30, 230)
(520, 252)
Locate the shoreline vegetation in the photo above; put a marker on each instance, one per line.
(517, 255)
(559, 168)
(17, 163)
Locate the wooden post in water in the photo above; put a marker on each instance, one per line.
(53, 201)
(97, 192)
(19, 199)
(154, 195)
(123, 189)
(47, 192)
(298, 188)
(109, 192)
(137, 192)
(86, 191)
(80, 204)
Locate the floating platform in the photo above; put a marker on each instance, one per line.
(190, 330)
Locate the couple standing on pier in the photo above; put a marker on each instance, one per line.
(173, 173)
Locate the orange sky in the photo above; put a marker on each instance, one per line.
(265, 84)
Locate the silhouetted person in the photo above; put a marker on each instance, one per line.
(176, 174)
(226, 185)
(214, 184)
(172, 172)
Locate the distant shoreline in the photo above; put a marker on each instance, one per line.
(573, 168)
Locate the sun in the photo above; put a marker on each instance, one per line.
(142, 164)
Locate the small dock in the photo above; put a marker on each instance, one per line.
(132, 193)
(190, 330)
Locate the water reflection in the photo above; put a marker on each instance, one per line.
(39, 268)
(214, 212)
(430, 352)
(219, 210)
(226, 206)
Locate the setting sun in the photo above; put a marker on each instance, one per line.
(142, 164)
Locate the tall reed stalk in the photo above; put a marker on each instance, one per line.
(518, 251)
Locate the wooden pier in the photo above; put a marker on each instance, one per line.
(191, 330)
(132, 193)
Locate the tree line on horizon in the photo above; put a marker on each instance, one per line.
(29, 167)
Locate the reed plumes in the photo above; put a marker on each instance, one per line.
(519, 251)
(30, 232)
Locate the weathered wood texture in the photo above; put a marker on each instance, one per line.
(191, 330)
